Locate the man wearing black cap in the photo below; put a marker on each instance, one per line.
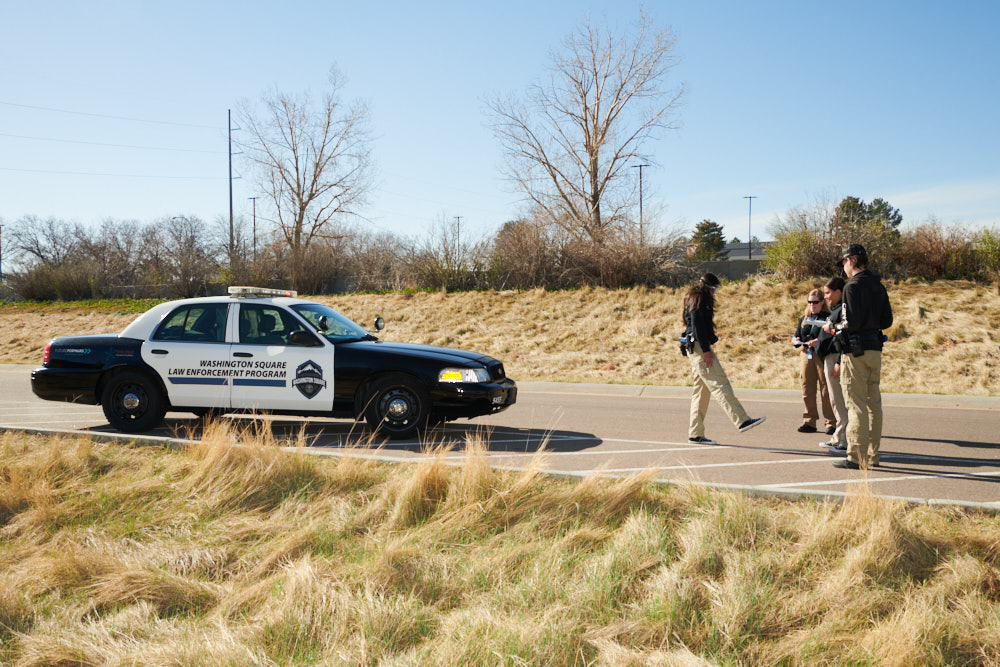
(866, 313)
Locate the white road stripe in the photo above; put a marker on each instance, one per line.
(718, 465)
(600, 452)
(900, 478)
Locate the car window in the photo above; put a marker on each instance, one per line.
(266, 325)
(328, 322)
(203, 323)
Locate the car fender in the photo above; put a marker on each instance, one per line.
(111, 371)
(361, 394)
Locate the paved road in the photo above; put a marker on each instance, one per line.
(934, 448)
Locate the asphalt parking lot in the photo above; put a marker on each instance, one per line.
(936, 449)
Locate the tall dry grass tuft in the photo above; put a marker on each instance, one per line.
(170, 594)
(245, 467)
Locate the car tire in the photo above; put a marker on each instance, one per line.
(397, 406)
(132, 402)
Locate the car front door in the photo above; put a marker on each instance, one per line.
(190, 353)
(274, 373)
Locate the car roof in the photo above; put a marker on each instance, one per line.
(142, 326)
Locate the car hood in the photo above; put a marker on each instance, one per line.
(447, 355)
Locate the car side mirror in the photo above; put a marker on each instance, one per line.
(324, 323)
(379, 323)
(303, 339)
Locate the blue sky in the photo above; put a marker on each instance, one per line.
(118, 109)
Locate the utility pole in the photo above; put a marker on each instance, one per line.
(254, 200)
(229, 126)
(458, 233)
(749, 199)
(1, 254)
(641, 233)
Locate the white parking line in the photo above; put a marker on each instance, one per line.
(597, 452)
(900, 478)
(718, 465)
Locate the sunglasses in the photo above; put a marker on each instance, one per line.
(815, 301)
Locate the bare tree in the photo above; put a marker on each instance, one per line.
(570, 141)
(312, 159)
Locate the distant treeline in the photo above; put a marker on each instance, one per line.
(46, 259)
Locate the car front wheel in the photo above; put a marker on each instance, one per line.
(397, 406)
(132, 402)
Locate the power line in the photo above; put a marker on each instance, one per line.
(101, 115)
(85, 173)
(97, 143)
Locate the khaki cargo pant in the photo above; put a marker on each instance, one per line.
(811, 374)
(711, 382)
(861, 377)
(836, 391)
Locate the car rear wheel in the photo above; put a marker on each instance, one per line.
(132, 402)
(397, 406)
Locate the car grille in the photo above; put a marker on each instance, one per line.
(496, 371)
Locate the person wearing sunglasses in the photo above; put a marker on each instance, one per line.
(706, 370)
(811, 375)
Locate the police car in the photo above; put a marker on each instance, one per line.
(268, 351)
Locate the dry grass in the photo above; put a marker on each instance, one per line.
(946, 338)
(221, 555)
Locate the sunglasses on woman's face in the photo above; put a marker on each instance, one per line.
(814, 302)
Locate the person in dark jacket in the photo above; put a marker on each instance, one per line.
(709, 377)
(806, 338)
(833, 291)
(866, 313)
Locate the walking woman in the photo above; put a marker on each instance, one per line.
(709, 378)
(810, 367)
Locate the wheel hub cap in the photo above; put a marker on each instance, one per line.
(398, 408)
(130, 401)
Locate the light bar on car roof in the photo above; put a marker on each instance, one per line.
(246, 291)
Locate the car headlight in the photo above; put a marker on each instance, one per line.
(463, 375)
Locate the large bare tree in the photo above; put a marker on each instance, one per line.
(312, 159)
(571, 139)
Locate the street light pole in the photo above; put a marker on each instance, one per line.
(641, 233)
(749, 199)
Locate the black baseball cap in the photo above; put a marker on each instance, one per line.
(854, 249)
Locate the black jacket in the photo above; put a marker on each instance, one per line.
(825, 346)
(867, 309)
(701, 324)
(809, 332)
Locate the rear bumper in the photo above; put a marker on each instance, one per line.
(452, 401)
(74, 385)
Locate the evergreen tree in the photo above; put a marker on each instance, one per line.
(708, 241)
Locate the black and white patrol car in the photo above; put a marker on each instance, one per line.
(266, 350)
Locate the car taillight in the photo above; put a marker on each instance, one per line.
(45, 354)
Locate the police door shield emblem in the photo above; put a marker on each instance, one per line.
(309, 379)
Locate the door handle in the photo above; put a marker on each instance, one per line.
(158, 351)
(242, 354)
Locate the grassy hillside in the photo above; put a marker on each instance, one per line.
(223, 555)
(946, 338)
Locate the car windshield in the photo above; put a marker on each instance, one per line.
(330, 323)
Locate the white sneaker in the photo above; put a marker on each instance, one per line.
(701, 440)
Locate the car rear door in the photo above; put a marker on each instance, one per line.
(275, 374)
(190, 353)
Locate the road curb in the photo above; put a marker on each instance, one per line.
(758, 492)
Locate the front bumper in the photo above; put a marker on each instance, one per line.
(74, 385)
(452, 401)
